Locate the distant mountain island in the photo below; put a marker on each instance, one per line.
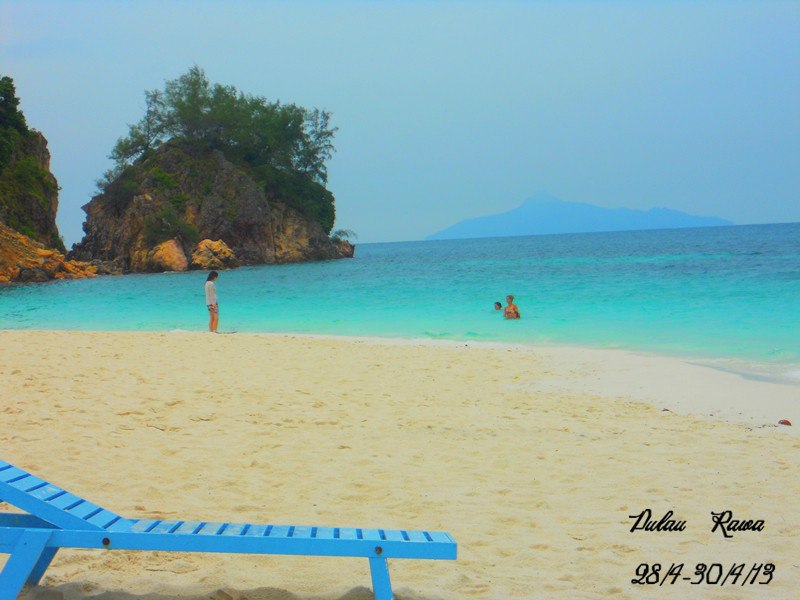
(543, 214)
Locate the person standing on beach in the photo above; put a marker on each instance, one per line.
(511, 311)
(211, 301)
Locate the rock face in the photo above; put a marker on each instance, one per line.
(25, 260)
(184, 194)
(30, 245)
(29, 191)
(211, 255)
(346, 249)
(167, 256)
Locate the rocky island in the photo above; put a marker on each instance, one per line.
(189, 207)
(210, 178)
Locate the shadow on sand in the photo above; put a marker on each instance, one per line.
(73, 591)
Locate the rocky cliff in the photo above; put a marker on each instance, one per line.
(185, 207)
(29, 191)
(30, 245)
(25, 260)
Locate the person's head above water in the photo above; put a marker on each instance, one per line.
(509, 298)
(497, 306)
(212, 276)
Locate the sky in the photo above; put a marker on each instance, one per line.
(448, 110)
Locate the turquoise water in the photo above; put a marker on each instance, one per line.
(711, 292)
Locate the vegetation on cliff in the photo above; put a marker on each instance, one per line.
(210, 178)
(177, 198)
(30, 246)
(282, 147)
(28, 190)
(211, 175)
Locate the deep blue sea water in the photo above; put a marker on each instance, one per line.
(730, 292)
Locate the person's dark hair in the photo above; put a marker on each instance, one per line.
(212, 276)
(498, 304)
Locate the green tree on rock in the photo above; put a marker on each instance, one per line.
(10, 115)
(284, 146)
(12, 121)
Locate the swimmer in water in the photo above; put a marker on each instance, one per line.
(511, 311)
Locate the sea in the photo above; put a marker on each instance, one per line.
(726, 296)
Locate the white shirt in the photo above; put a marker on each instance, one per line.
(211, 293)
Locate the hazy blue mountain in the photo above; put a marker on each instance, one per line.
(543, 214)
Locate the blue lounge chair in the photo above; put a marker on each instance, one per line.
(58, 519)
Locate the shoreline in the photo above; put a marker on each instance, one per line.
(763, 369)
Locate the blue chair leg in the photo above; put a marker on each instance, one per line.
(381, 584)
(41, 566)
(24, 557)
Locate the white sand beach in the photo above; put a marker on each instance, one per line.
(532, 458)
